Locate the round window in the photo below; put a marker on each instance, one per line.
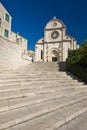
(55, 34)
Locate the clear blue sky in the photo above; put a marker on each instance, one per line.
(31, 16)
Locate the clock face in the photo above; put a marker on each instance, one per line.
(55, 34)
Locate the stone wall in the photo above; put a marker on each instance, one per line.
(10, 53)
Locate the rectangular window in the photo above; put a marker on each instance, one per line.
(41, 54)
(7, 18)
(0, 21)
(6, 33)
(17, 40)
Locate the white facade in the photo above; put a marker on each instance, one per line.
(5, 29)
(55, 44)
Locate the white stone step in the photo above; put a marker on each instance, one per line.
(11, 95)
(56, 119)
(21, 98)
(38, 80)
(78, 123)
(21, 102)
(34, 78)
(14, 75)
(60, 82)
(25, 92)
(37, 86)
(58, 113)
(39, 97)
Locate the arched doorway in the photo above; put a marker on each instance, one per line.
(53, 55)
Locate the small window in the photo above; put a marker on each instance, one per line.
(0, 21)
(41, 54)
(6, 33)
(17, 40)
(7, 18)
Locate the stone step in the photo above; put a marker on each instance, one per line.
(54, 111)
(29, 93)
(10, 104)
(37, 86)
(78, 123)
(23, 76)
(65, 119)
(36, 79)
(39, 97)
(9, 72)
(28, 85)
(3, 76)
(32, 76)
(61, 82)
(56, 121)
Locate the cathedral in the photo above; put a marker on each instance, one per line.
(55, 44)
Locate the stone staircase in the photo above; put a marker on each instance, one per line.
(40, 97)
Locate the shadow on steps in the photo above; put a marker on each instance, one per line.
(61, 66)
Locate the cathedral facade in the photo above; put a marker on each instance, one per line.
(55, 44)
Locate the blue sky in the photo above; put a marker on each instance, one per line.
(31, 16)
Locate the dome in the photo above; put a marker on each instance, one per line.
(54, 23)
(40, 40)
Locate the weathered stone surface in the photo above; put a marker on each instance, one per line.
(39, 97)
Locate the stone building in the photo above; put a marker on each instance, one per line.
(13, 47)
(55, 44)
(5, 29)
